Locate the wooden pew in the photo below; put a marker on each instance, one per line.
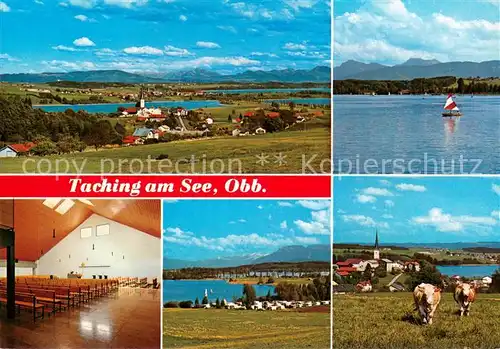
(28, 302)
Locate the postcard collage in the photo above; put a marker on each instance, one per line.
(247, 174)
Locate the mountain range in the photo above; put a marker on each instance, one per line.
(415, 68)
(317, 74)
(295, 253)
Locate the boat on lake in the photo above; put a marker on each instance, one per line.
(451, 108)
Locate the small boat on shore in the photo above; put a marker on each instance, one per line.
(451, 108)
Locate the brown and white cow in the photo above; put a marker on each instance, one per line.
(464, 295)
(427, 298)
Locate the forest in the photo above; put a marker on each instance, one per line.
(439, 85)
(54, 133)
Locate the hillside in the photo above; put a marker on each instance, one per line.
(317, 74)
(416, 68)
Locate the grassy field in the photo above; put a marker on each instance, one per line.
(235, 154)
(237, 329)
(387, 321)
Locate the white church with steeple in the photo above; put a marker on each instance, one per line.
(376, 250)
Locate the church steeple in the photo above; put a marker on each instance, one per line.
(376, 251)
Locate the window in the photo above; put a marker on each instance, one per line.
(102, 230)
(85, 232)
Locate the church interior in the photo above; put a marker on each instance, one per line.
(80, 273)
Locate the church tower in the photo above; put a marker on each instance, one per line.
(142, 103)
(376, 251)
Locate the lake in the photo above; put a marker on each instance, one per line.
(183, 290)
(468, 270)
(271, 90)
(307, 101)
(113, 107)
(398, 129)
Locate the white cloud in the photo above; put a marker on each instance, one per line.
(4, 7)
(110, 52)
(209, 61)
(298, 4)
(410, 187)
(307, 240)
(83, 3)
(82, 18)
(385, 182)
(126, 3)
(292, 46)
(84, 42)
(207, 44)
(364, 221)
(444, 222)
(7, 57)
(260, 207)
(285, 204)
(183, 18)
(387, 216)
(176, 51)
(495, 214)
(283, 225)
(266, 54)
(143, 50)
(366, 198)
(377, 191)
(242, 220)
(387, 32)
(319, 225)
(64, 48)
(315, 204)
(57, 65)
(38, 2)
(63, 4)
(389, 203)
(166, 201)
(496, 188)
(228, 28)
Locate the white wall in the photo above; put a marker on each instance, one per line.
(135, 254)
(19, 271)
(7, 153)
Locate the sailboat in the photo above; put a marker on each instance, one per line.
(451, 108)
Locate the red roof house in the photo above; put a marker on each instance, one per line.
(273, 114)
(130, 139)
(249, 114)
(131, 110)
(22, 147)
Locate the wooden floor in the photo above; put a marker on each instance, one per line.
(128, 318)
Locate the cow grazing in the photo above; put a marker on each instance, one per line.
(464, 295)
(427, 298)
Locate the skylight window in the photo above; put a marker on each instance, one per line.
(65, 206)
(85, 232)
(51, 202)
(102, 230)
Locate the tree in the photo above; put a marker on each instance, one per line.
(428, 274)
(461, 85)
(101, 133)
(196, 302)
(268, 297)
(205, 300)
(261, 281)
(495, 282)
(229, 118)
(249, 295)
(291, 105)
(367, 274)
(270, 280)
(44, 147)
(217, 303)
(120, 129)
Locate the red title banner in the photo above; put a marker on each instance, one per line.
(151, 186)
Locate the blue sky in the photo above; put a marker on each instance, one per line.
(163, 35)
(430, 209)
(392, 31)
(204, 229)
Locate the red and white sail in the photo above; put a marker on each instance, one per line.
(450, 104)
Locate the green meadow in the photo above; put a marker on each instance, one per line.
(302, 145)
(387, 321)
(245, 329)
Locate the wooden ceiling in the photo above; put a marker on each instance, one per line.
(34, 223)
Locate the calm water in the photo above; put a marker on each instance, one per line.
(317, 101)
(468, 270)
(270, 90)
(397, 129)
(183, 290)
(112, 107)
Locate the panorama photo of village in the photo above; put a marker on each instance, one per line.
(165, 87)
(416, 262)
(257, 278)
